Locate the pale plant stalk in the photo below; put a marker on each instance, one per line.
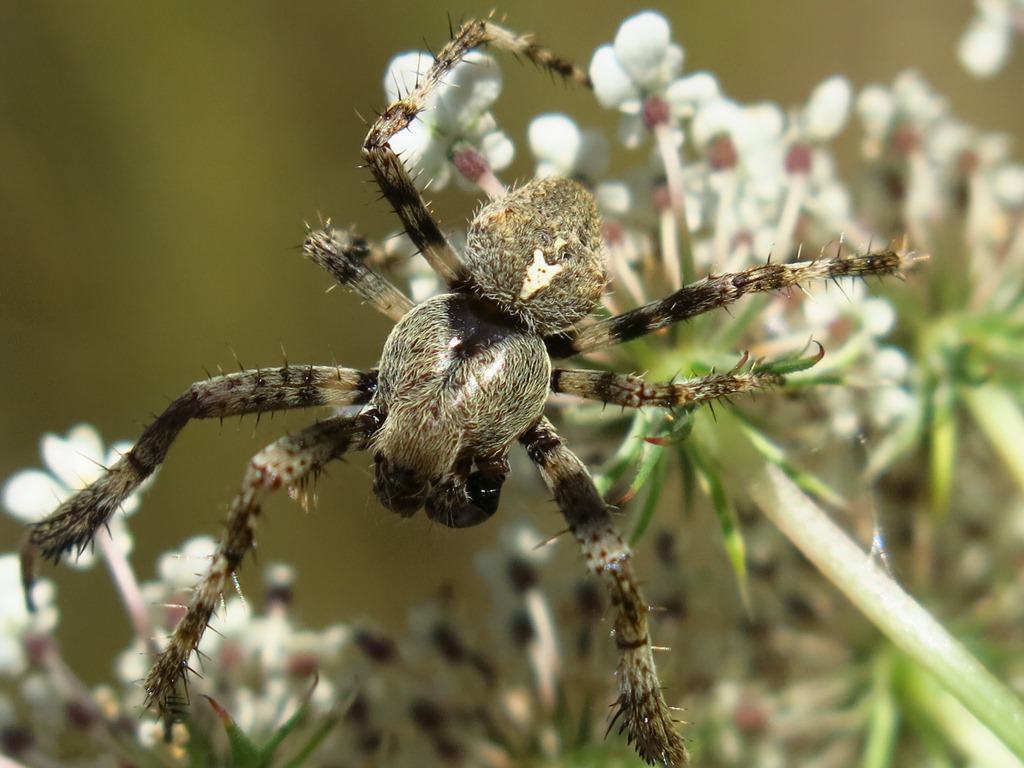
(677, 254)
(491, 185)
(725, 223)
(908, 625)
(796, 189)
(127, 586)
(1000, 418)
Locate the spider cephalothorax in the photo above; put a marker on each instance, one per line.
(463, 377)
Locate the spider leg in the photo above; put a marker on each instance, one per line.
(344, 255)
(393, 179)
(72, 525)
(631, 391)
(288, 463)
(641, 704)
(719, 291)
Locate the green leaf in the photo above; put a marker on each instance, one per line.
(942, 450)
(732, 536)
(883, 717)
(244, 752)
(998, 415)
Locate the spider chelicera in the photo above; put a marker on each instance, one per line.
(463, 377)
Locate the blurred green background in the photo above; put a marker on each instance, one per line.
(157, 163)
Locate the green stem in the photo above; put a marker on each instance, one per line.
(998, 415)
(885, 603)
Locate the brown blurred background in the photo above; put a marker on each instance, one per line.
(157, 163)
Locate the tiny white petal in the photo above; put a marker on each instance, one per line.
(613, 197)
(118, 449)
(831, 204)
(828, 109)
(685, 94)
(404, 72)
(993, 148)
(564, 149)
(671, 66)
(916, 97)
(878, 316)
(469, 91)
(181, 570)
(236, 617)
(120, 534)
(76, 460)
(714, 119)
(695, 215)
(641, 45)
(546, 169)
(415, 146)
(133, 664)
(15, 619)
(412, 142)
(12, 656)
(890, 404)
(985, 45)
(821, 309)
(555, 138)
(760, 124)
(31, 495)
(948, 140)
(524, 540)
(81, 561)
(499, 150)
(890, 365)
(875, 108)
(613, 86)
(1008, 185)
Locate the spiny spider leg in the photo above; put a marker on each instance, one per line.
(344, 255)
(646, 717)
(287, 462)
(72, 525)
(632, 391)
(718, 291)
(392, 177)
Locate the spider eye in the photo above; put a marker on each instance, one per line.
(537, 254)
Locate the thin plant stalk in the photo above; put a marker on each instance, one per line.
(903, 620)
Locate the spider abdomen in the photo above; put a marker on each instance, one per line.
(455, 389)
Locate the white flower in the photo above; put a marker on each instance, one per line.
(15, 620)
(562, 148)
(1008, 185)
(985, 44)
(910, 103)
(750, 127)
(748, 143)
(642, 59)
(457, 112)
(639, 76)
(182, 569)
(827, 110)
(74, 462)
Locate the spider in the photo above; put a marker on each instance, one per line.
(462, 378)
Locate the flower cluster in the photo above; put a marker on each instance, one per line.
(927, 419)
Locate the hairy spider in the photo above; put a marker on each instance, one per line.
(462, 377)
